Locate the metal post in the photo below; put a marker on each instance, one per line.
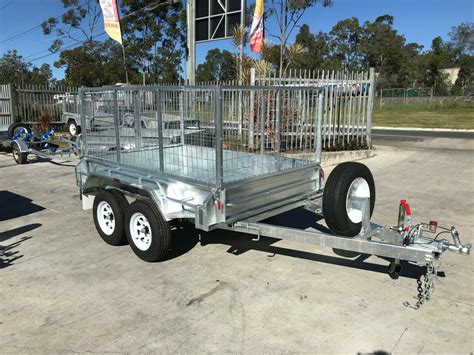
(431, 98)
(117, 128)
(278, 123)
(219, 141)
(365, 216)
(262, 122)
(252, 110)
(124, 63)
(240, 113)
(137, 119)
(82, 117)
(12, 92)
(183, 103)
(191, 43)
(319, 117)
(370, 106)
(159, 119)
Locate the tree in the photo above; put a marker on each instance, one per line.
(218, 66)
(288, 14)
(345, 39)
(78, 24)
(437, 59)
(317, 50)
(462, 40)
(95, 64)
(465, 78)
(385, 50)
(15, 70)
(155, 37)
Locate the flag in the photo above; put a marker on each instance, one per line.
(111, 19)
(256, 31)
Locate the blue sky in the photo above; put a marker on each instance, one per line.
(419, 20)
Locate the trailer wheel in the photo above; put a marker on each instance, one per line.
(18, 156)
(148, 233)
(109, 215)
(73, 128)
(17, 128)
(341, 208)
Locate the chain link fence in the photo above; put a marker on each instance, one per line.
(423, 97)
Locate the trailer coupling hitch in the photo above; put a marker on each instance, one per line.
(457, 247)
(426, 283)
(414, 235)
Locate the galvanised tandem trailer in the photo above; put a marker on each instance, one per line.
(244, 172)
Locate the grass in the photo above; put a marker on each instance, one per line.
(422, 117)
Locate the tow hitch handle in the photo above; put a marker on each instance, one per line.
(457, 247)
(404, 214)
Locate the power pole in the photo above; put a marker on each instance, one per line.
(191, 43)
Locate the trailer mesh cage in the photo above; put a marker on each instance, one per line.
(213, 135)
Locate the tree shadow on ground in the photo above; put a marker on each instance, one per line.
(8, 254)
(13, 205)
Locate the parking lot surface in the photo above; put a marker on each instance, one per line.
(62, 289)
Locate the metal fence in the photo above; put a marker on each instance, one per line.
(405, 97)
(423, 97)
(194, 132)
(347, 106)
(6, 109)
(27, 103)
(32, 101)
(348, 103)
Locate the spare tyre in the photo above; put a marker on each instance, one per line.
(345, 190)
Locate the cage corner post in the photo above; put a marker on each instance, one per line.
(159, 120)
(219, 137)
(117, 126)
(319, 118)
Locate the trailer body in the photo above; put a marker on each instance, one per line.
(242, 170)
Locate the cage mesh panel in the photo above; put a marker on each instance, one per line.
(263, 129)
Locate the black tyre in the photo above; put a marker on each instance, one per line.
(19, 157)
(17, 128)
(109, 216)
(341, 208)
(73, 128)
(148, 233)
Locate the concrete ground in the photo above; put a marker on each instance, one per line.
(64, 290)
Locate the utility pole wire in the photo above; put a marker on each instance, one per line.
(25, 32)
(6, 5)
(67, 47)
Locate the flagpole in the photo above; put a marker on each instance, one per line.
(125, 64)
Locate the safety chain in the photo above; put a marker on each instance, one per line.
(426, 285)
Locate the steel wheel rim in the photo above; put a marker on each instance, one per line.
(140, 231)
(357, 193)
(72, 129)
(106, 217)
(16, 154)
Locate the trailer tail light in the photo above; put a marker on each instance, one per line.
(219, 204)
(432, 226)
